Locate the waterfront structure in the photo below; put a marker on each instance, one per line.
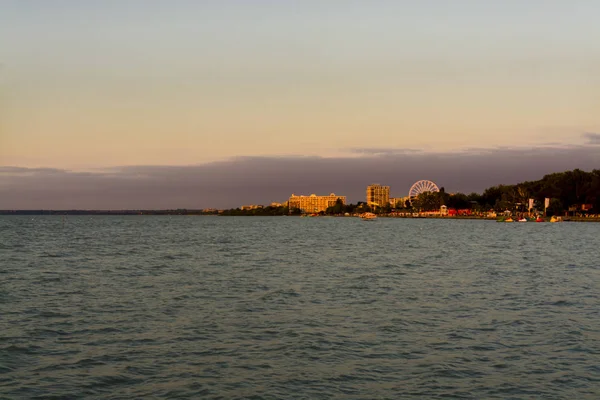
(378, 195)
(420, 187)
(314, 203)
(251, 207)
(398, 202)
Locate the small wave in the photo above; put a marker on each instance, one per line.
(52, 314)
(103, 330)
(107, 381)
(351, 378)
(89, 362)
(45, 332)
(483, 347)
(4, 369)
(410, 265)
(54, 255)
(394, 328)
(47, 279)
(559, 303)
(459, 336)
(15, 349)
(581, 349)
(456, 373)
(176, 256)
(143, 371)
(280, 294)
(254, 367)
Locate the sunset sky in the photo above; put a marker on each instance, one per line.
(96, 86)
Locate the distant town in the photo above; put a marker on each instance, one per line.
(426, 199)
(574, 194)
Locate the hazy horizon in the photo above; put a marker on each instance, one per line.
(262, 180)
(184, 104)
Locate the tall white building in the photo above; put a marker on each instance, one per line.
(378, 195)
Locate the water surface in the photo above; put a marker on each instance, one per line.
(283, 307)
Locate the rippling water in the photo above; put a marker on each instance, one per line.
(284, 307)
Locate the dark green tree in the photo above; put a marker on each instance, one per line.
(555, 208)
(428, 201)
(336, 209)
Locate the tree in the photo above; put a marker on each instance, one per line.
(337, 208)
(444, 197)
(428, 201)
(362, 207)
(458, 201)
(387, 208)
(555, 208)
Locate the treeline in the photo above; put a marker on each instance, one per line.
(262, 211)
(576, 191)
(108, 212)
(339, 208)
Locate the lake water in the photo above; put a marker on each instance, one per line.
(308, 308)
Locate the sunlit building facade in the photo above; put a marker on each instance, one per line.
(251, 207)
(398, 202)
(378, 195)
(314, 203)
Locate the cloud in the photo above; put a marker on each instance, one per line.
(375, 151)
(21, 170)
(261, 180)
(592, 138)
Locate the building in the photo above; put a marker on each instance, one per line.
(314, 203)
(251, 207)
(398, 202)
(587, 207)
(378, 195)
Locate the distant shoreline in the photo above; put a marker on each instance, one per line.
(104, 212)
(201, 213)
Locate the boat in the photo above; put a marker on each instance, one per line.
(555, 219)
(539, 219)
(368, 216)
(503, 219)
(523, 220)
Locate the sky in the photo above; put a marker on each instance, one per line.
(195, 95)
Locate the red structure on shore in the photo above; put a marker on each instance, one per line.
(453, 212)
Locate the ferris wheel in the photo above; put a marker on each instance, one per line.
(422, 187)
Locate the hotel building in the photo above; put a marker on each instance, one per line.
(314, 203)
(378, 195)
